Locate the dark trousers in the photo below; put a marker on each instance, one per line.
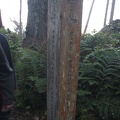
(3, 115)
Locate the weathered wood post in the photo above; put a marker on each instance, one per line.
(64, 33)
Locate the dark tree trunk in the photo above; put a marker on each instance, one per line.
(1, 25)
(36, 30)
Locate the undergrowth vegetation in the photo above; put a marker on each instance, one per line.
(31, 73)
(99, 75)
(98, 80)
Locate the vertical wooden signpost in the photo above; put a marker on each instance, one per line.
(64, 33)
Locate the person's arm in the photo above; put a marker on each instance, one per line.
(6, 81)
(6, 48)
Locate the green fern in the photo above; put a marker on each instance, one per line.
(32, 74)
(83, 93)
(99, 81)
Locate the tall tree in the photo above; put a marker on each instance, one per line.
(36, 29)
(89, 17)
(106, 12)
(1, 25)
(20, 19)
(112, 10)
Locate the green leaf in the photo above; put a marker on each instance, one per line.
(83, 93)
(92, 82)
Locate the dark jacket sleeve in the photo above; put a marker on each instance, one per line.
(7, 75)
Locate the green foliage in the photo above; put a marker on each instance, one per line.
(31, 72)
(99, 83)
(32, 76)
(15, 43)
(99, 76)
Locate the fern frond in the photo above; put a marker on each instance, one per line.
(83, 93)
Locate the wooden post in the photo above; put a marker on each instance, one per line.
(64, 33)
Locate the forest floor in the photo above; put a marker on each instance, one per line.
(25, 115)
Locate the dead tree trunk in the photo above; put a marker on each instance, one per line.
(106, 13)
(89, 17)
(112, 10)
(20, 15)
(36, 30)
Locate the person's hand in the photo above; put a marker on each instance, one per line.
(5, 108)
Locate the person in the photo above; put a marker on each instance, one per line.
(7, 79)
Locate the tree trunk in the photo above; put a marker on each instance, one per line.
(36, 30)
(89, 17)
(20, 19)
(112, 10)
(1, 25)
(106, 12)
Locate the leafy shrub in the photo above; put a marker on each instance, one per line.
(15, 43)
(99, 84)
(31, 72)
(32, 76)
(99, 76)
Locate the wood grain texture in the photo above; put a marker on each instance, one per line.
(64, 33)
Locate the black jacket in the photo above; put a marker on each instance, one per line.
(7, 73)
